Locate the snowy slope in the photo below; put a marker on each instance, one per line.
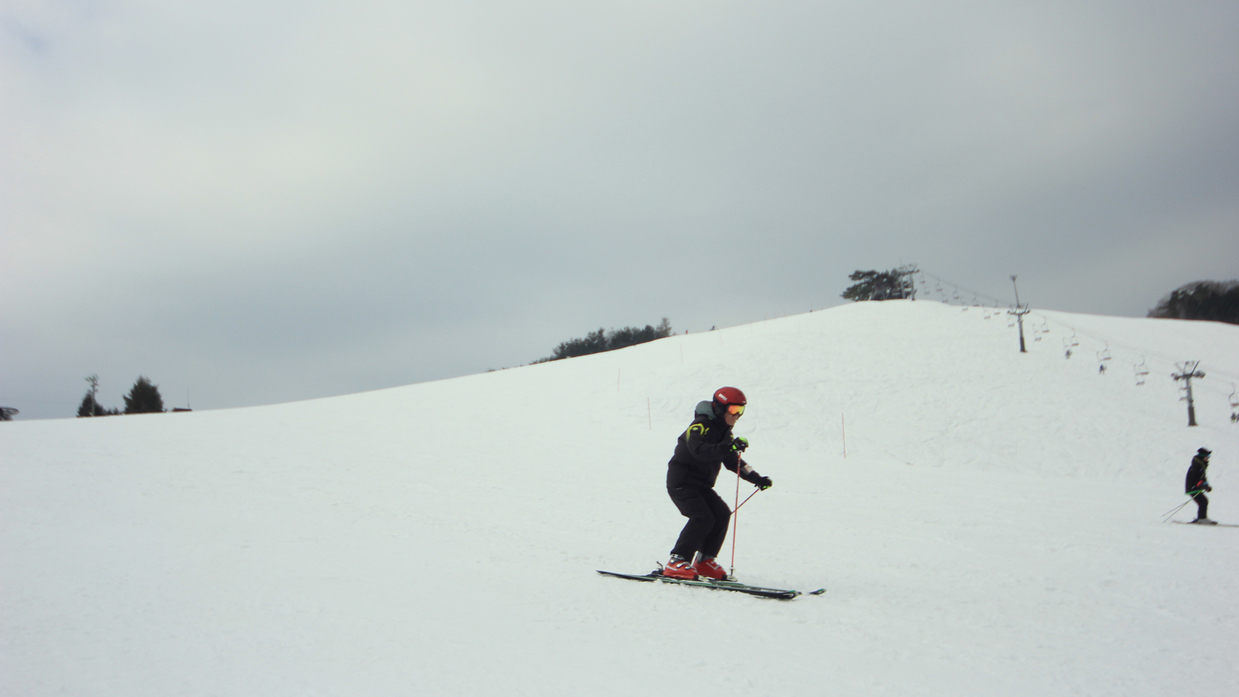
(993, 528)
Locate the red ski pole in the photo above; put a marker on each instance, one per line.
(735, 520)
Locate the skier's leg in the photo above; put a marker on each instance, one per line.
(1202, 506)
(693, 506)
(722, 518)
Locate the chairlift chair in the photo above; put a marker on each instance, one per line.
(1104, 354)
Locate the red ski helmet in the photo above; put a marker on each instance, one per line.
(726, 397)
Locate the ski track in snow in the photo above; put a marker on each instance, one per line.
(993, 529)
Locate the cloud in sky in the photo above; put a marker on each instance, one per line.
(251, 204)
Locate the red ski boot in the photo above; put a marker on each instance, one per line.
(679, 567)
(710, 569)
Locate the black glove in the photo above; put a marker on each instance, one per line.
(764, 483)
(739, 445)
(1208, 488)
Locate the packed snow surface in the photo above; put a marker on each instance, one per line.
(986, 522)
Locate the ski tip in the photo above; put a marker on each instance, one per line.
(819, 591)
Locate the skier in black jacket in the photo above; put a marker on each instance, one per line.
(706, 444)
(1197, 484)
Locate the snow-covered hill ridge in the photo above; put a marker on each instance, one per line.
(921, 383)
(992, 529)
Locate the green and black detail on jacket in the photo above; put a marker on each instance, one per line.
(701, 449)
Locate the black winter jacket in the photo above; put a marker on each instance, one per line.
(1197, 478)
(703, 446)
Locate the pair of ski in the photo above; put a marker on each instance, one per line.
(720, 585)
(1206, 525)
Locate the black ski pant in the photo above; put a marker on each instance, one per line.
(708, 517)
(1202, 506)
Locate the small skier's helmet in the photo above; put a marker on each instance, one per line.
(1203, 451)
(726, 397)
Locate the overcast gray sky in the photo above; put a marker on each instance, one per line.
(253, 203)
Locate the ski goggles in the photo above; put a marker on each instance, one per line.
(735, 409)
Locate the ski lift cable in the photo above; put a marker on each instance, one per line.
(1076, 332)
(1212, 376)
(940, 282)
(1168, 360)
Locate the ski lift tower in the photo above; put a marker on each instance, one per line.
(1019, 313)
(907, 281)
(1187, 371)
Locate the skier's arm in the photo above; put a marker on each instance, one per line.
(747, 473)
(703, 451)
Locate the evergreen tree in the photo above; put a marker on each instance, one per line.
(89, 406)
(880, 285)
(862, 290)
(143, 398)
(868, 284)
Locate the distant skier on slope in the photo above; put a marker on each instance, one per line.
(706, 444)
(1197, 484)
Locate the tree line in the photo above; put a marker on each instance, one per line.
(143, 398)
(1206, 300)
(603, 340)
